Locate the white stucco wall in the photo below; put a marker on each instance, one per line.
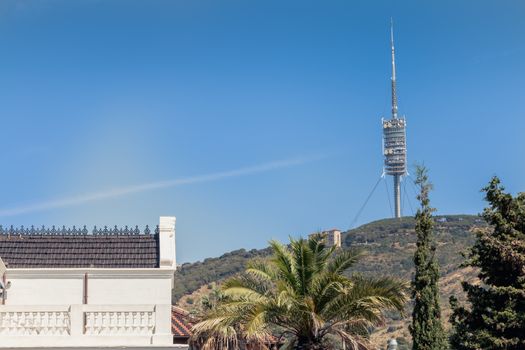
(44, 291)
(152, 289)
(129, 291)
(104, 286)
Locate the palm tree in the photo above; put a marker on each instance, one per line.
(302, 293)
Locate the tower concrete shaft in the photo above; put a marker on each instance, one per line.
(397, 196)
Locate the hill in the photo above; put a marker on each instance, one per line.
(388, 247)
(389, 244)
(192, 276)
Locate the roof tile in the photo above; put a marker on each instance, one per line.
(60, 251)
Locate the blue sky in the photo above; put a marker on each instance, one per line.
(250, 120)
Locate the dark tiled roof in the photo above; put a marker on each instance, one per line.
(180, 323)
(70, 251)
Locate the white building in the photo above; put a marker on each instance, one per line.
(331, 237)
(70, 289)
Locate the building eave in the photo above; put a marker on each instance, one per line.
(145, 273)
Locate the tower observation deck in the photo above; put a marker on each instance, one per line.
(394, 146)
(394, 140)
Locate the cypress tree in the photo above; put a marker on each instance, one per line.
(426, 328)
(495, 315)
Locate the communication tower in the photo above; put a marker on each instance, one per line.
(394, 140)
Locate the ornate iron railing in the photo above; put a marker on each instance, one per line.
(63, 231)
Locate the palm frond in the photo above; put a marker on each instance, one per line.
(248, 283)
(368, 298)
(343, 261)
(303, 263)
(354, 341)
(327, 286)
(321, 252)
(256, 324)
(261, 269)
(392, 291)
(282, 261)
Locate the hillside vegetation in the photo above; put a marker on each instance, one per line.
(388, 246)
(192, 276)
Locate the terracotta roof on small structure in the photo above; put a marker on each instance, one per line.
(66, 248)
(180, 323)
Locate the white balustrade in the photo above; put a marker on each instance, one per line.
(119, 322)
(34, 320)
(93, 320)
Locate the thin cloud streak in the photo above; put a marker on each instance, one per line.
(122, 191)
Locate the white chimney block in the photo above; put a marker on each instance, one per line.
(167, 257)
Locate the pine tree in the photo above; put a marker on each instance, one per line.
(495, 316)
(426, 328)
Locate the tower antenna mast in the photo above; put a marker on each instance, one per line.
(394, 96)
